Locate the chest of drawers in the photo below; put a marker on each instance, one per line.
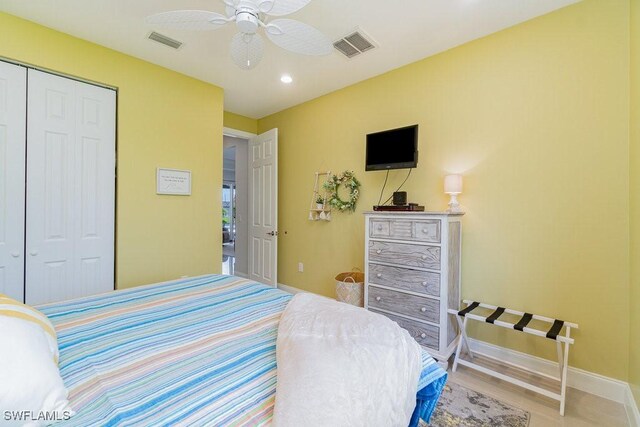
(412, 274)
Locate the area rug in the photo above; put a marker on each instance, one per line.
(461, 407)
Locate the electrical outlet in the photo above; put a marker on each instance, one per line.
(301, 267)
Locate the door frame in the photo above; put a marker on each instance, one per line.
(235, 133)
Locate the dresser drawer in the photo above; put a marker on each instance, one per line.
(410, 305)
(425, 335)
(379, 228)
(405, 254)
(424, 282)
(427, 231)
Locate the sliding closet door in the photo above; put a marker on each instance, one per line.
(70, 189)
(13, 101)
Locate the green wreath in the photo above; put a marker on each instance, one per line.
(332, 185)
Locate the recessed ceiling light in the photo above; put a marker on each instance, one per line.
(286, 78)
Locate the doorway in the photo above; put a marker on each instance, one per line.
(234, 206)
(250, 205)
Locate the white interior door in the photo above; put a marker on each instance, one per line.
(263, 208)
(13, 113)
(70, 189)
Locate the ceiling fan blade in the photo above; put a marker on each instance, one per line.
(298, 37)
(247, 50)
(285, 7)
(230, 11)
(197, 20)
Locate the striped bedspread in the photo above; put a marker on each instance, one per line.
(197, 351)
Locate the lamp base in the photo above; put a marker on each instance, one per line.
(454, 206)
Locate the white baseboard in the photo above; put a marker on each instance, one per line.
(289, 289)
(631, 407)
(589, 382)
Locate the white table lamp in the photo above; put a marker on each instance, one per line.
(453, 187)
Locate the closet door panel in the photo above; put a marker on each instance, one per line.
(70, 189)
(50, 174)
(95, 189)
(13, 93)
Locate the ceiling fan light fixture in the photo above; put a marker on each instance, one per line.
(247, 50)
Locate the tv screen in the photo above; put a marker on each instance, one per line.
(392, 149)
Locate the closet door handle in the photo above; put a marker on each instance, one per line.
(33, 253)
(15, 254)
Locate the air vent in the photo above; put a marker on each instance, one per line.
(354, 44)
(346, 48)
(358, 41)
(167, 41)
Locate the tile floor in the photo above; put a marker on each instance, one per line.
(582, 409)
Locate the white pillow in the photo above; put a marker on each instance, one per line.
(31, 389)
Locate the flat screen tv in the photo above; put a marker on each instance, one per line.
(392, 149)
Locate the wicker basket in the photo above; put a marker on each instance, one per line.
(350, 288)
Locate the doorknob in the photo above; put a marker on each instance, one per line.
(33, 253)
(273, 233)
(15, 254)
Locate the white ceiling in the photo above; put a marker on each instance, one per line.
(405, 30)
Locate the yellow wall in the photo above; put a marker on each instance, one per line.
(634, 337)
(536, 117)
(164, 119)
(238, 122)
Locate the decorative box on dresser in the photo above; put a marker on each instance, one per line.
(412, 274)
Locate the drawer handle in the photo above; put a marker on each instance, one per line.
(379, 228)
(424, 283)
(423, 335)
(378, 299)
(423, 309)
(425, 231)
(424, 257)
(378, 251)
(379, 275)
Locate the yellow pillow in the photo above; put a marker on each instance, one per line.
(12, 308)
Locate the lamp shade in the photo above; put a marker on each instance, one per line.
(453, 184)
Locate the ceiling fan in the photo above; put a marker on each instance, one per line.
(247, 46)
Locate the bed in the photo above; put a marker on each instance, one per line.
(197, 351)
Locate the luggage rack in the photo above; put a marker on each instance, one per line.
(553, 333)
